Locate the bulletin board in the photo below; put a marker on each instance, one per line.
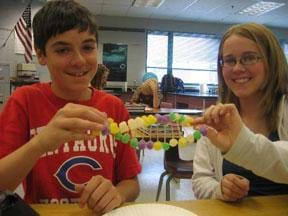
(115, 58)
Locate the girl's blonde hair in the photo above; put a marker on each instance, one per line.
(276, 80)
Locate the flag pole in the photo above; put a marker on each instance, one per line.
(5, 42)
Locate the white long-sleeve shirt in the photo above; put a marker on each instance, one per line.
(251, 151)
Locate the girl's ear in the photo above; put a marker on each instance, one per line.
(41, 56)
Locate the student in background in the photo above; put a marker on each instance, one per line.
(100, 79)
(148, 92)
(46, 138)
(250, 124)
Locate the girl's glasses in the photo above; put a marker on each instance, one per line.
(246, 59)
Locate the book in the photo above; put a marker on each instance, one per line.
(133, 107)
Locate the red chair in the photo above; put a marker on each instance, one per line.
(174, 168)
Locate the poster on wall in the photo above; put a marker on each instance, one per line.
(115, 58)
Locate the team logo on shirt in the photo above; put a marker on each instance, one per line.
(62, 173)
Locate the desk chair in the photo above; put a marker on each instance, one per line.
(174, 168)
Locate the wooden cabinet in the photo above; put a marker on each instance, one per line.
(181, 101)
(188, 101)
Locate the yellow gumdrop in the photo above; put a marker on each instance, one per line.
(157, 145)
(173, 142)
(139, 122)
(145, 119)
(123, 127)
(132, 124)
(151, 119)
(186, 121)
(182, 142)
(114, 128)
(190, 139)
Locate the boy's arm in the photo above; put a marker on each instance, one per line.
(156, 98)
(70, 123)
(15, 166)
(101, 196)
(129, 189)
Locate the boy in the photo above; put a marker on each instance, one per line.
(44, 128)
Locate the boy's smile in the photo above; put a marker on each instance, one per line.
(71, 58)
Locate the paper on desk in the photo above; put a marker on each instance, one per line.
(150, 210)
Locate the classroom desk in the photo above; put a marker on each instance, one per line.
(169, 110)
(252, 206)
(162, 111)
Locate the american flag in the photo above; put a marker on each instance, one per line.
(23, 31)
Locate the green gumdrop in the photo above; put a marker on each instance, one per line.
(118, 136)
(172, 116)
(181, 119)
(197, 135)
(134, 142)
(125, 138)
(165, 146)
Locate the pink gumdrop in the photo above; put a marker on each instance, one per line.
(158, 116)
(105, 130)
(149, 144)
(165, 119)
(203, 130)
(142, 144)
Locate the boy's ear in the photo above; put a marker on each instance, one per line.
(40, 56)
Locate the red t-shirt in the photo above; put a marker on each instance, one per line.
(55, 174)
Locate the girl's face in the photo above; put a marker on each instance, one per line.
(243, 66)
(71, 58)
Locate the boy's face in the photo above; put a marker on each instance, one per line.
(71, 58)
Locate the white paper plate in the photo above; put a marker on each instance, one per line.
(150, 210)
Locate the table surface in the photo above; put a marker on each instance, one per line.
(252, 206)
(148, 110)
(169, 110)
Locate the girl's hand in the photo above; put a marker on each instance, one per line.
(234, 187)
(223, 125)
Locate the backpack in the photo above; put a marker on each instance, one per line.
(179, 85)
(168, 83)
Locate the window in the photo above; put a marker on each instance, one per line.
(192, 57)
(157, 52)
(195, 58)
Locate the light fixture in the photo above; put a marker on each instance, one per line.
(260, 8)
(147, 3)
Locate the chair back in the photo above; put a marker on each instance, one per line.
(171, 155)
(174, 167)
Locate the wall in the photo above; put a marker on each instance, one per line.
(136, 42)
(133, 34)
(7, 54)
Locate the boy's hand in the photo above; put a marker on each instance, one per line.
(224, 124)
(99, 194)
(234, 187)
(70, 123)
